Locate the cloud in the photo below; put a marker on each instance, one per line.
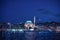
(44, 11)
(40, 10)
(57, 15)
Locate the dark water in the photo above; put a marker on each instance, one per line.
(30, 35)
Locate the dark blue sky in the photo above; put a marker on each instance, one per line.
(16, 11)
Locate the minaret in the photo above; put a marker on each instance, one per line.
(34, 20)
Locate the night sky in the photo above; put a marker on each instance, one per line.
(16, 11)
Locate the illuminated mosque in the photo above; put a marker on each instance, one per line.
(29, 24)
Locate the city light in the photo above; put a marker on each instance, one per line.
(31, 29)
(20, 30)
(13, 30)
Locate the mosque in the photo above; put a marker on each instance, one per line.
(29, 24)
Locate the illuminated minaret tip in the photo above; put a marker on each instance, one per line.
(34, 20)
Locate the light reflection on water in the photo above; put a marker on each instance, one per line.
(28, 35)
